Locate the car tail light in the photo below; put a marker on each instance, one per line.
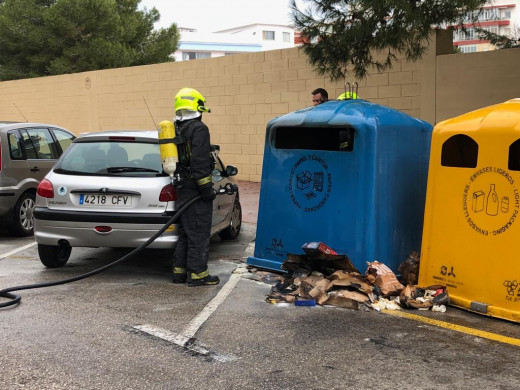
(103, 229)
(121, 138)
(168, 194)
(45, 189)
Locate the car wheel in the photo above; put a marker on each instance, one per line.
(54, 256)
(21, 222)
(233, 230)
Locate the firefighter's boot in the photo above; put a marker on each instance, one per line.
(179, 275)
(202, 279)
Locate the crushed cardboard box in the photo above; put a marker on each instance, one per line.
(262, 276)
(380, 275)
(327, 278)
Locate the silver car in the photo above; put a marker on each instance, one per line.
(27, 153)
(109, 190)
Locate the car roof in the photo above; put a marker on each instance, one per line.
(137, 135)
(9, 125)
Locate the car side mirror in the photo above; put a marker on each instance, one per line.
(231, 170)
(216, 175)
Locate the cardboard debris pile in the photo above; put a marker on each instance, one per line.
(323, 277)
(409, 269)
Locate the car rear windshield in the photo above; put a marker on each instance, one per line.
(111, 158)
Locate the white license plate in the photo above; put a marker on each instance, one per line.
(105, 200)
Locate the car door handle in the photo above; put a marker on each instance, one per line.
(35, 169)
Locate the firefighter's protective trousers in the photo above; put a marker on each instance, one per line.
(195, 229)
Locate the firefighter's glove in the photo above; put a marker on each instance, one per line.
(206, 188)
(207, 193)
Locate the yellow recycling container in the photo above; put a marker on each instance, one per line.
(471, 235)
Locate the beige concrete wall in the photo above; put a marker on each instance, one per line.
(466, 82)
(243, 91)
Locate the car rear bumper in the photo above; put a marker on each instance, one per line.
(128, 230)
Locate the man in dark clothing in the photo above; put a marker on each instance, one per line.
(190, 261)
(319, 95)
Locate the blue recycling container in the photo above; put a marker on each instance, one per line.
(351, 174)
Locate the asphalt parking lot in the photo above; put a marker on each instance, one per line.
(126, 328)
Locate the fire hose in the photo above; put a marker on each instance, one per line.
(228, 189)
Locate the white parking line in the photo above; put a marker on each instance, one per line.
(14, 251)
(186, 337)
(250, 250)
(213, 305)
(191, 346)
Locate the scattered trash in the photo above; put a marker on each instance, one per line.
(380, 275)
(439, 308)
(423, 298)
(314, 248)
(387, 304)
(261, 276)
(323, 277)
(305, 302)
(241, 269)
(409, 269)
(346, 298)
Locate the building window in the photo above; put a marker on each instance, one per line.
(468, 49)
(286, 37)
(268, 35)
(195, 55)
(488, 14)
(484, 15)
(491, 29)
(507, 15)
(470, 16)
(468, 35)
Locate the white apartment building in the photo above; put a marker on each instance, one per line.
(243, 39)
(499, 16)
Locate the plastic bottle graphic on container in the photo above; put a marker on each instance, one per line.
(492, 201)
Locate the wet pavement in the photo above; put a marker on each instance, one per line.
(88, 334)
(249, 196)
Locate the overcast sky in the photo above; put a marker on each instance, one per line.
(213, 15)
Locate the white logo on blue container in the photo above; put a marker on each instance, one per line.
(310, 183)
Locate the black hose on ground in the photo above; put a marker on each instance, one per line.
(15, 299)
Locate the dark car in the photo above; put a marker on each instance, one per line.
(28, 151)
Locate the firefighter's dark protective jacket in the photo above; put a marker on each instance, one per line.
(193, 142)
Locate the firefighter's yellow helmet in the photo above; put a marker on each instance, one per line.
(190, 99)
(347, 96)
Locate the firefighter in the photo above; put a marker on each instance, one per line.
(348, 96)
(190, 260)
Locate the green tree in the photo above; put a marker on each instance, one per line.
(51, 37)
(340, 36)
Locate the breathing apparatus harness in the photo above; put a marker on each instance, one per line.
(169, 158)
